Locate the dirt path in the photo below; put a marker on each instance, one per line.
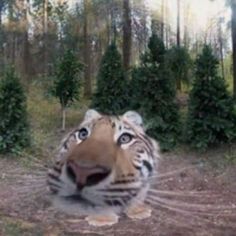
(200, 201)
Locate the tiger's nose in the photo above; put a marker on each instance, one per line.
(86, 175)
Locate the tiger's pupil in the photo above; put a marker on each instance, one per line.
(125, 138)
(83, 134)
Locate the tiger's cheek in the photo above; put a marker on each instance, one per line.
(123, 165)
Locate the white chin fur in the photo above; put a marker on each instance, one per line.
(74, 208)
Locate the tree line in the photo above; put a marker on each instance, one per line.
(211, 115)
(35, 33)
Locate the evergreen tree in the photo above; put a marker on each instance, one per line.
(154, 94)
(211, 114)
(14, 127)
(111, 94)
(67, 82)
(180, 63)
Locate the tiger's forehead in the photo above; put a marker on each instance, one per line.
(117, 123)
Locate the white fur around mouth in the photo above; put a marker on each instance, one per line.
(77, 198)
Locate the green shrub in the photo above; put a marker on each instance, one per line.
(211, 114)
(180, 63)
(111, 95)
(66, 82)
(153, 94)
(14, 127)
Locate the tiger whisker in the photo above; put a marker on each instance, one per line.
(32, 195)
(29, 191)
(38, 162)
(183, 204)
(193, 208)
(134, 199)
(154, 182)
(31, 177)
(40, 167)
(199, 217)
(184, 193)
(12, 170)
(25, 171)
(32, 183)
(170, 220)
(178, 210)
(31, 187)
(24, 177)
(171, 173)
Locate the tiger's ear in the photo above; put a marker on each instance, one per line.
(92, 114)
(133, 117)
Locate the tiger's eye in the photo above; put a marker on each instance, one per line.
(125, 138)
(83, 134)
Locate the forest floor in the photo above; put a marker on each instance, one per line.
(197, 190)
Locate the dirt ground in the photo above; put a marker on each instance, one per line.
(195, 193)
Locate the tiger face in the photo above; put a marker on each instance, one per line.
(104, 164)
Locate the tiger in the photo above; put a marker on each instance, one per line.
(103, 168)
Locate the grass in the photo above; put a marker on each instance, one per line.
(45, 119)
(14, 227)
(45, 112)
(230, 155)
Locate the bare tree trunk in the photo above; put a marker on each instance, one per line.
(87, 53)
(186, 23)
(11, 38)
(220, 40)
(108, 29)
(233, 27)
(1, 8)
(167, 24)
(13, 48)
(178, 24)
(127, 34)
(26, 57)
(167, 36)
(178, 81)
(1, 38)
(162, 19)
(26, 47)
(45, 39)
(222, 62)
(63, 113)
(113, 22)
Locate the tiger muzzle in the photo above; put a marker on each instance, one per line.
(86, 175)
(91, 162)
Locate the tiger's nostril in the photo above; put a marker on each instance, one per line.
(86, 176)
(96, 178)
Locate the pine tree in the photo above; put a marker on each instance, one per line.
(14, 127)
(211, 114)
(154, 95)
(67, 82)
(180, 63)
(111, 94)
